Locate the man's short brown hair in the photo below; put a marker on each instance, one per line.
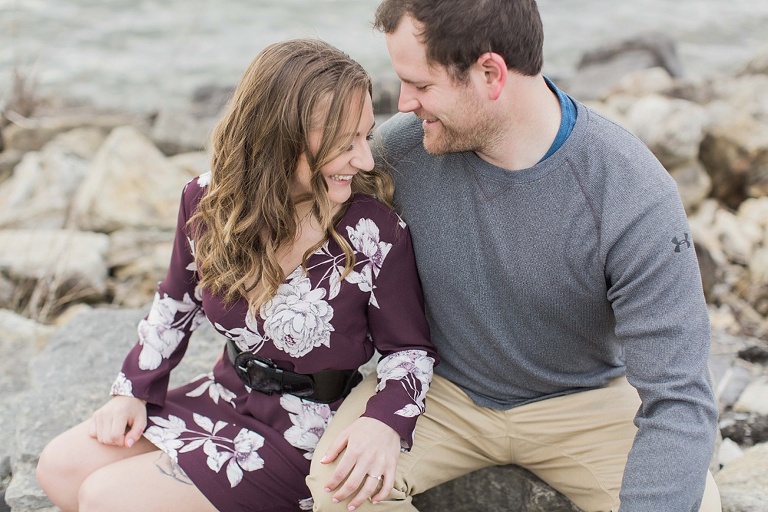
(457, 32)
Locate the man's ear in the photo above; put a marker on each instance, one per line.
(495, 73)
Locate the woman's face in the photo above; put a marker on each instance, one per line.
(354, 158)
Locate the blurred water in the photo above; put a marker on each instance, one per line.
(142, 54)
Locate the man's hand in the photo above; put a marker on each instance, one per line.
(370, 460)
(111, 423)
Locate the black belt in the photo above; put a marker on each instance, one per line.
(263, 375)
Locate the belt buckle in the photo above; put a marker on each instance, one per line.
(262, 374)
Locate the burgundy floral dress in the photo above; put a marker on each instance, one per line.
(246, 450)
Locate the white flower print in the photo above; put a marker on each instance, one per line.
(407, 368)
(306, 504)
(365, 239)
(244, 338)
(241, 453)
(310, 419)
(215, 390)
(246, 444)
(297, 319)
(204, 179)
(165, 434)
(193, 265)
(122, 386)
(244, 456)
(161, 332)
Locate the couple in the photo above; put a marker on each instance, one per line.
(572, 332)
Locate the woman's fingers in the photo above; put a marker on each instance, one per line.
(371, 482)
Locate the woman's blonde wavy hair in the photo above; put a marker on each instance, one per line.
(248, 212)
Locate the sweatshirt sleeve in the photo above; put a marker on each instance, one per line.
(399, 331)
(661, 317)
(163, 335)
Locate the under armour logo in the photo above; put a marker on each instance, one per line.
(685, 243)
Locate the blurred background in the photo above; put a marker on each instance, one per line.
(140, 54)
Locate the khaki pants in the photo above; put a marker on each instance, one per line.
(577, 443)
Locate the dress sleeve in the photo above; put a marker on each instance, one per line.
(176, 311)
(399, 330)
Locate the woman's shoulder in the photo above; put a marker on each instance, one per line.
(194, 190)
(367, 209)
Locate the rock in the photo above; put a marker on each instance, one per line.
(20, 339)
(644, 82)
(8, 161)
(743, 483)
(751, 322)
(729, 451)
(744, 94)
(731, 382)
(672, 128)
(8, 294)
(210, 100)
(755, 211)
(707, 267)
(754, 399)
(747, 429)
(614, 108)
(44, 182)
(194, 163)
(755, 354)
(757, 291)
(693, 183)
(8, 409)
(36, 133)
(3, 506)
(138, 260)
(721, 319)
(131, 184)
(23, 493)
(494, 489)
(178, 131)
(47, 265)
(600, 70)
(81, 361)
(739, 239)
(758, 65)
(733, 151)
(386, 95)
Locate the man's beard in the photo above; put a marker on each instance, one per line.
(451, 140)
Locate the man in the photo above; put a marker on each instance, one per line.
(561, 285)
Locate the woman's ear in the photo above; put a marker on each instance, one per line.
(495, 73)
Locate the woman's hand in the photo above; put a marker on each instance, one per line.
(119, 422)
(370, 460)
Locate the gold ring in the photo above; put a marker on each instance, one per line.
(374, 476)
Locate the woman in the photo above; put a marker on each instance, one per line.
(290, 249)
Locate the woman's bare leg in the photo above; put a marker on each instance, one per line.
(72, 457)
(148, 482)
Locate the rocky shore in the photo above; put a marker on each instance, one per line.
(88, 203)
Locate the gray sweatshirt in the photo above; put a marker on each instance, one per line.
(558, 278)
